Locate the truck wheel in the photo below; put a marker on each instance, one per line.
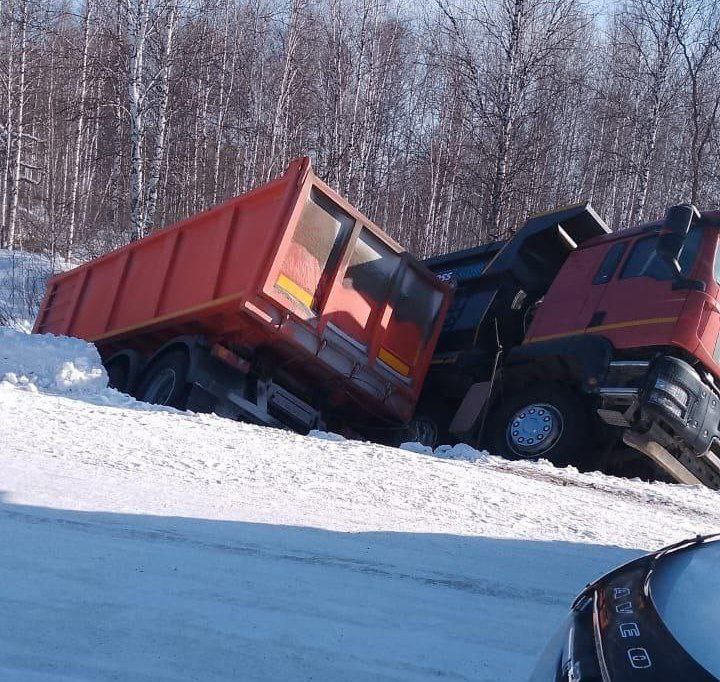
(118, 371)
(164, 381)
(540, 422)
(420, 429)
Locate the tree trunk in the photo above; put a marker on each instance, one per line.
(137, 25)
(158, 153)
(16, 168)
(79, 130)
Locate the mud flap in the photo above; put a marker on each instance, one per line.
(472, 406)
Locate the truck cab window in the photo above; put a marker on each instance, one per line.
(643, 260)
(609, 264)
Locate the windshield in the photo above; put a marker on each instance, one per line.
(644, 261)
(685, 588)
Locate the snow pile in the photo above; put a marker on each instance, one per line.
(50, 363)
(326, 435)
(460, 451)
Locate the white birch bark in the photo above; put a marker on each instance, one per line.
(278, 130)
(16, 165)
(9, 79)
(137, 26)
(79, 129)
(163, 91)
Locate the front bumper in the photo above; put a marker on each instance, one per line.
(676, 398)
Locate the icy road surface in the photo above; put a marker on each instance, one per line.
(146, 544)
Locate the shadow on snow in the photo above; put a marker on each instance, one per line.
(104, 596)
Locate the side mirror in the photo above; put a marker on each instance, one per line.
(678, 220)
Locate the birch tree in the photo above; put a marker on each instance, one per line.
(698, 35)
(651, 29)
(138, 20)
(16, 129)
(161, 90)
(505, 51)
(80, 128)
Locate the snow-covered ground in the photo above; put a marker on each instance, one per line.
(23, 276)
(139, 543)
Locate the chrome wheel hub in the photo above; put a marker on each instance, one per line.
(534, 429)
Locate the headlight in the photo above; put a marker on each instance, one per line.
(673, 398)
(661, 399)
(673, 390)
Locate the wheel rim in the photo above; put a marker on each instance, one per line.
(161, 387)
(534, 430)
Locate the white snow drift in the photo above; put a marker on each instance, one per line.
(146, 544)
(55, 364)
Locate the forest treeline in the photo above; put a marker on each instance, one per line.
(446, 121)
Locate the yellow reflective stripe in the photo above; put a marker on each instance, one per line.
(392, 360)
(605, 327)
(295, 290)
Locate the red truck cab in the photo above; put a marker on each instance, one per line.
(661, 324)
(613, 338)
(618, 287)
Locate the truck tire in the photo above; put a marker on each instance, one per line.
(123, 369)
(164, 382)
(540, 422)
(421, 429)
(118, 371)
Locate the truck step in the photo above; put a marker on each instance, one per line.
(613, 418)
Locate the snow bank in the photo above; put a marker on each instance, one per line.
(51, 363)
(460, 451)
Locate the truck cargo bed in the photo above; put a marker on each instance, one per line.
(290, 272)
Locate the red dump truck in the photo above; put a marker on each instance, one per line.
(286, 306)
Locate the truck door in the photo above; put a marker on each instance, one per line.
(703, 310)
(639, 305)
(601, 275)
(576, 292)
